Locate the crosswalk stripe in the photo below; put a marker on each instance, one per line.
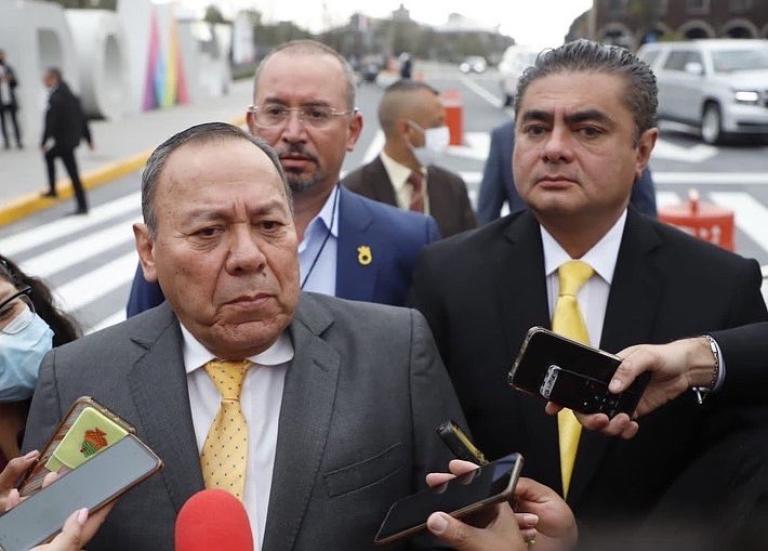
(55, 260)
(750, 214)
(115, 318)
(710, 178)
(480, 91)
(25, 240)
(666, 198)
(377, 144)
(90, 287)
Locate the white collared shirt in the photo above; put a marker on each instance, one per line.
(322, 278)
(398, 175)
(260, 401)
(593, 296)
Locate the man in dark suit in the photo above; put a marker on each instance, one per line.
(8, 104)
(65, 124)
(582, 140)
(498, 185)
(351, 247)
(413, 121)
(326, 454)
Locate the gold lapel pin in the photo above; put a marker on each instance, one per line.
(364, 256)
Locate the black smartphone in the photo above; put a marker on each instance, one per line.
(572, 374)
(489, 484)
(93, 484)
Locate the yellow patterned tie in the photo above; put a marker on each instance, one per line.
(225, 452)
(569, 322)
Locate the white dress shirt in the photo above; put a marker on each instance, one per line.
(260, 401)
(398, 175)
(593, 296)
(322, 278)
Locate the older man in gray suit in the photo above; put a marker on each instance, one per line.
(339, 399)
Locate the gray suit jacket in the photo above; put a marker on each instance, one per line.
(448, 200)
(362, 398)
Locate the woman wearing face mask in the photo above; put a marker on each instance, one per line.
(30, 325)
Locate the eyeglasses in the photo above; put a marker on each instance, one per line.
(16, 312)
(274, 115)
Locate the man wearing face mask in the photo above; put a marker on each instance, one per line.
(29, 327)
(413, 121)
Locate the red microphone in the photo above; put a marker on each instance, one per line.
(213, 520)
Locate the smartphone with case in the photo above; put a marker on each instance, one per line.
(86, 429)
(489, 484)
(93, 484)
(572, 374)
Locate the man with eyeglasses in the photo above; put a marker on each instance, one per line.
(404, 174)
(349, 246)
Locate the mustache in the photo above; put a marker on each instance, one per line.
(295, 150)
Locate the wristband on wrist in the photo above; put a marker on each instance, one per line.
(702, 391)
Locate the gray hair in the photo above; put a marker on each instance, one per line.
(313, 47)
(587, 56)
(198, 134)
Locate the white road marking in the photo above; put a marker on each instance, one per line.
(91, 286)
(750, 214)
(377, 144)
(28, 239)
(55, 260)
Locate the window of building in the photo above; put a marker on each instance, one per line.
(698, 6)
(660, 7)
(740, 6)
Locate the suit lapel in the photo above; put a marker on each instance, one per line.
(377, 177)
(355, 280)
(523, 304)
(158, 386)
(305, 417)
(629, 318)
(440, 207)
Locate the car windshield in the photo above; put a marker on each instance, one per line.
(731, 61)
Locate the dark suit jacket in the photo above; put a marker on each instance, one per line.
(394, 236)
(10, 102)
(498, 183)
(448, 200)
(745, 352)
(667, 285)
(65, 122)
(361, 401)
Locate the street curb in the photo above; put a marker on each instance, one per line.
(31, 203)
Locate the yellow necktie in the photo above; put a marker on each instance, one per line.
(569, 322)
(225, 452)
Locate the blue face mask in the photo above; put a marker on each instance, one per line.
(20, 357)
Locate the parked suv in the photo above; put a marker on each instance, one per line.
(719, 85)
(516, 59)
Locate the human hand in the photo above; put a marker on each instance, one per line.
(675, 367)
(555, 524)
(495, 528)
(12, 472)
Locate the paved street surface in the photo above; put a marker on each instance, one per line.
(90, 260)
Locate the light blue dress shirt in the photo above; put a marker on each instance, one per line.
(322, 278)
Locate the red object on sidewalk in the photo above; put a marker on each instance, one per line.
(703, 220)
(454, 115)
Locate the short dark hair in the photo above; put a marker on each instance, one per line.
(589, 56)
(55, 72)
(313, 47)
(391, 102)
(199, 134)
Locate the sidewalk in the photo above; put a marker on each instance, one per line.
(122, 147)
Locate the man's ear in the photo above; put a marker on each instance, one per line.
(145, 246)
(355, 129)
(251, 122)
(645, 146)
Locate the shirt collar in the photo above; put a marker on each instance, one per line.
(602, 257)
(398, 173)
(322, 221)
(196, 355)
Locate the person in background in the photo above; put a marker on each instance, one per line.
(498, 185)
(65, 125)
(8, 103)
(30, 325)
(403, 175)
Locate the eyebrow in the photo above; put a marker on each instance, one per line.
(311, 103)
(202, 214)
(573, 118)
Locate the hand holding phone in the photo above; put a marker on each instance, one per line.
(469, 493)
(572, 375)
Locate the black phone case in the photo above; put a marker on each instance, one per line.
(588, 369)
